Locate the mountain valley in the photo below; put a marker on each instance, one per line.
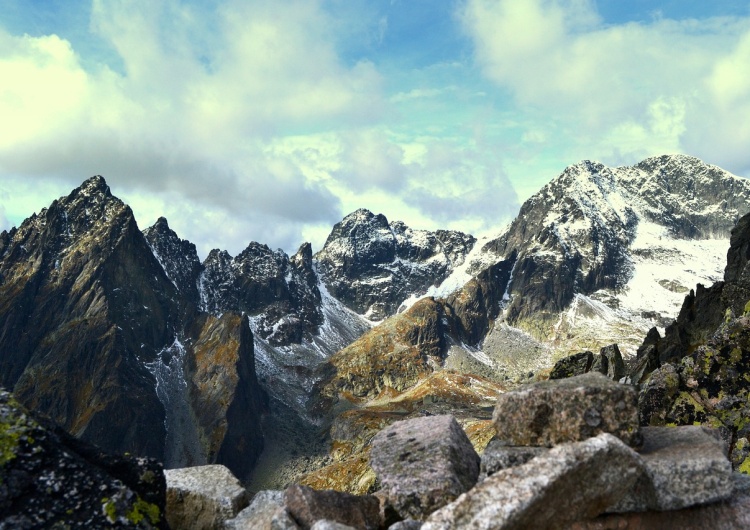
(127, 339)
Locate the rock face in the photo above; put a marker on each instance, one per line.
(52, 480)
(682, 467)
(372, 266)
(567, 410)
(100, 330)
(80, 288)
(423, 464)
(308, 506)
(570, 482)
(579, 243)
(708, 351)
(203, 497)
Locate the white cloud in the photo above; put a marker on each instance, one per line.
(188, 113)
(664, 84)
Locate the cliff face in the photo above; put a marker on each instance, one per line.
(90, 322)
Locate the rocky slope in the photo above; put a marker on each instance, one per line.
(600, 255)
(92, 334)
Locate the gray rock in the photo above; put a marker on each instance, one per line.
(572, 365)
(203, 497)
(615, 366)
(567, 410)
(571, 482)
(48, 479)
(259, 513)
(308, 506)
(330, 525)
(423, 464)
(497, 455)
(683, 466)
(731, 514)
(407, 524)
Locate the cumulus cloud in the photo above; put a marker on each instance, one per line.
(189, 108)
(651, 86)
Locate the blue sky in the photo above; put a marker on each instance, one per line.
(270, 120)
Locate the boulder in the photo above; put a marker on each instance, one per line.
(325, 524)
(423, 464)
(203, 497)
(497, 455)
(570, 482)
(260, 512)
(615, 366)
(48, 479)
(567, 410)
(572, 365)
(683, 466)
(731, 514)
(308, 506)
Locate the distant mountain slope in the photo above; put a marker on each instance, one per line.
(99, 319)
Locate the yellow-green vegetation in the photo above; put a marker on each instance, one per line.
(15, 428)
(136, 513)
(744, 467)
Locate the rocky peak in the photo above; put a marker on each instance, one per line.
(372, 265)
(178, 257)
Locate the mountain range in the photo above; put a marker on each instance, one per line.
(126, 338)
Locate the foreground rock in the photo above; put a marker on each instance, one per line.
(498, 456)
(567, 410)
(203, 497)
(683, 466)
(308, 506)
(731, 514)
(571, 482)
(50, 479)
(423, 464)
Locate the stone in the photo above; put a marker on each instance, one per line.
(730, 514)
(572, 365)
(203, 497)
(325, 524)
(49, 479)
(683, 466)
(547, 413)
(307, 506)
(423, 464)
(497, 455)
(259, 513)
(407, 524)
(571, 482)
(615, 366)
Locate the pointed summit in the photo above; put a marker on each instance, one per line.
(96, 185)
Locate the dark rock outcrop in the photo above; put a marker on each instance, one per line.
(372, 266)
(84, 304)
(100, 330)
(567, 410)
(52, 480)
(423, 464)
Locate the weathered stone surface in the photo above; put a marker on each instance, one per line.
(683, 466)
(49, 479)
(259, 513)
(572, 365)
(330, 525)
(423, 464)
(731, 514)
(407, 524)
(498, 455)
(203, 497)
(571, 482)
(615, 368)
(307, 506)
(567, 410)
